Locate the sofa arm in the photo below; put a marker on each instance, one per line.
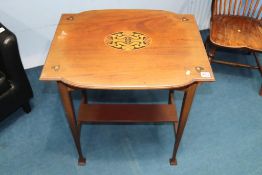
(10, 61)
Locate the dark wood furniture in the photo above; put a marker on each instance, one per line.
(127, 50)
(236, 24)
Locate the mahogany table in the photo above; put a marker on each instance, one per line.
(127, 50)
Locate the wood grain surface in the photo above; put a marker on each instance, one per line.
(127, 113)
(175, 56)
(236, 32)
(237, 24)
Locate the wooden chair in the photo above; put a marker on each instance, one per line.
(236, 24)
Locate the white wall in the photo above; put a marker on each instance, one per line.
(34, 21)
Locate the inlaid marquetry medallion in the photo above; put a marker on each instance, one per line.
(127, 40)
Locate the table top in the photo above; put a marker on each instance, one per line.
(127, 49)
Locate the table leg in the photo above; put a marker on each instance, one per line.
(171, 97)
(70, 115)
(84, 96)
(171, 100)
(185, 109)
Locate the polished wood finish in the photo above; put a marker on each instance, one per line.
(66, 98)
(127, 49)
(78, 55)
(185, 109)
(140, 113)
(235, 24)
(171, 101)
(236, 32)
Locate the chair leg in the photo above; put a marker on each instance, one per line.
(210, 53)
(206, 42)
(259, 68)
(26, 107)
(258, 63)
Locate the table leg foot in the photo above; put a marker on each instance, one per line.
(81, 161)
(173, 161)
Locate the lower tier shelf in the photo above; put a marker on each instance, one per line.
(127, 113)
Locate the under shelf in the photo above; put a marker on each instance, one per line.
(127, 113)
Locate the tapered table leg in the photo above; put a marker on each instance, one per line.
(185, 109)
(70, 115)
(84, 96)
(171, 100)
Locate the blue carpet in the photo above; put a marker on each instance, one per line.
(223, 134)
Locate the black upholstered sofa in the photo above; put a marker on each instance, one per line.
(15, 90)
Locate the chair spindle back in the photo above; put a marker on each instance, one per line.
(248, 8)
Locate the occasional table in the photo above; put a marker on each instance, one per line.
(127, 50)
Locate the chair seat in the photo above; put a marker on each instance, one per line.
(236, 32)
